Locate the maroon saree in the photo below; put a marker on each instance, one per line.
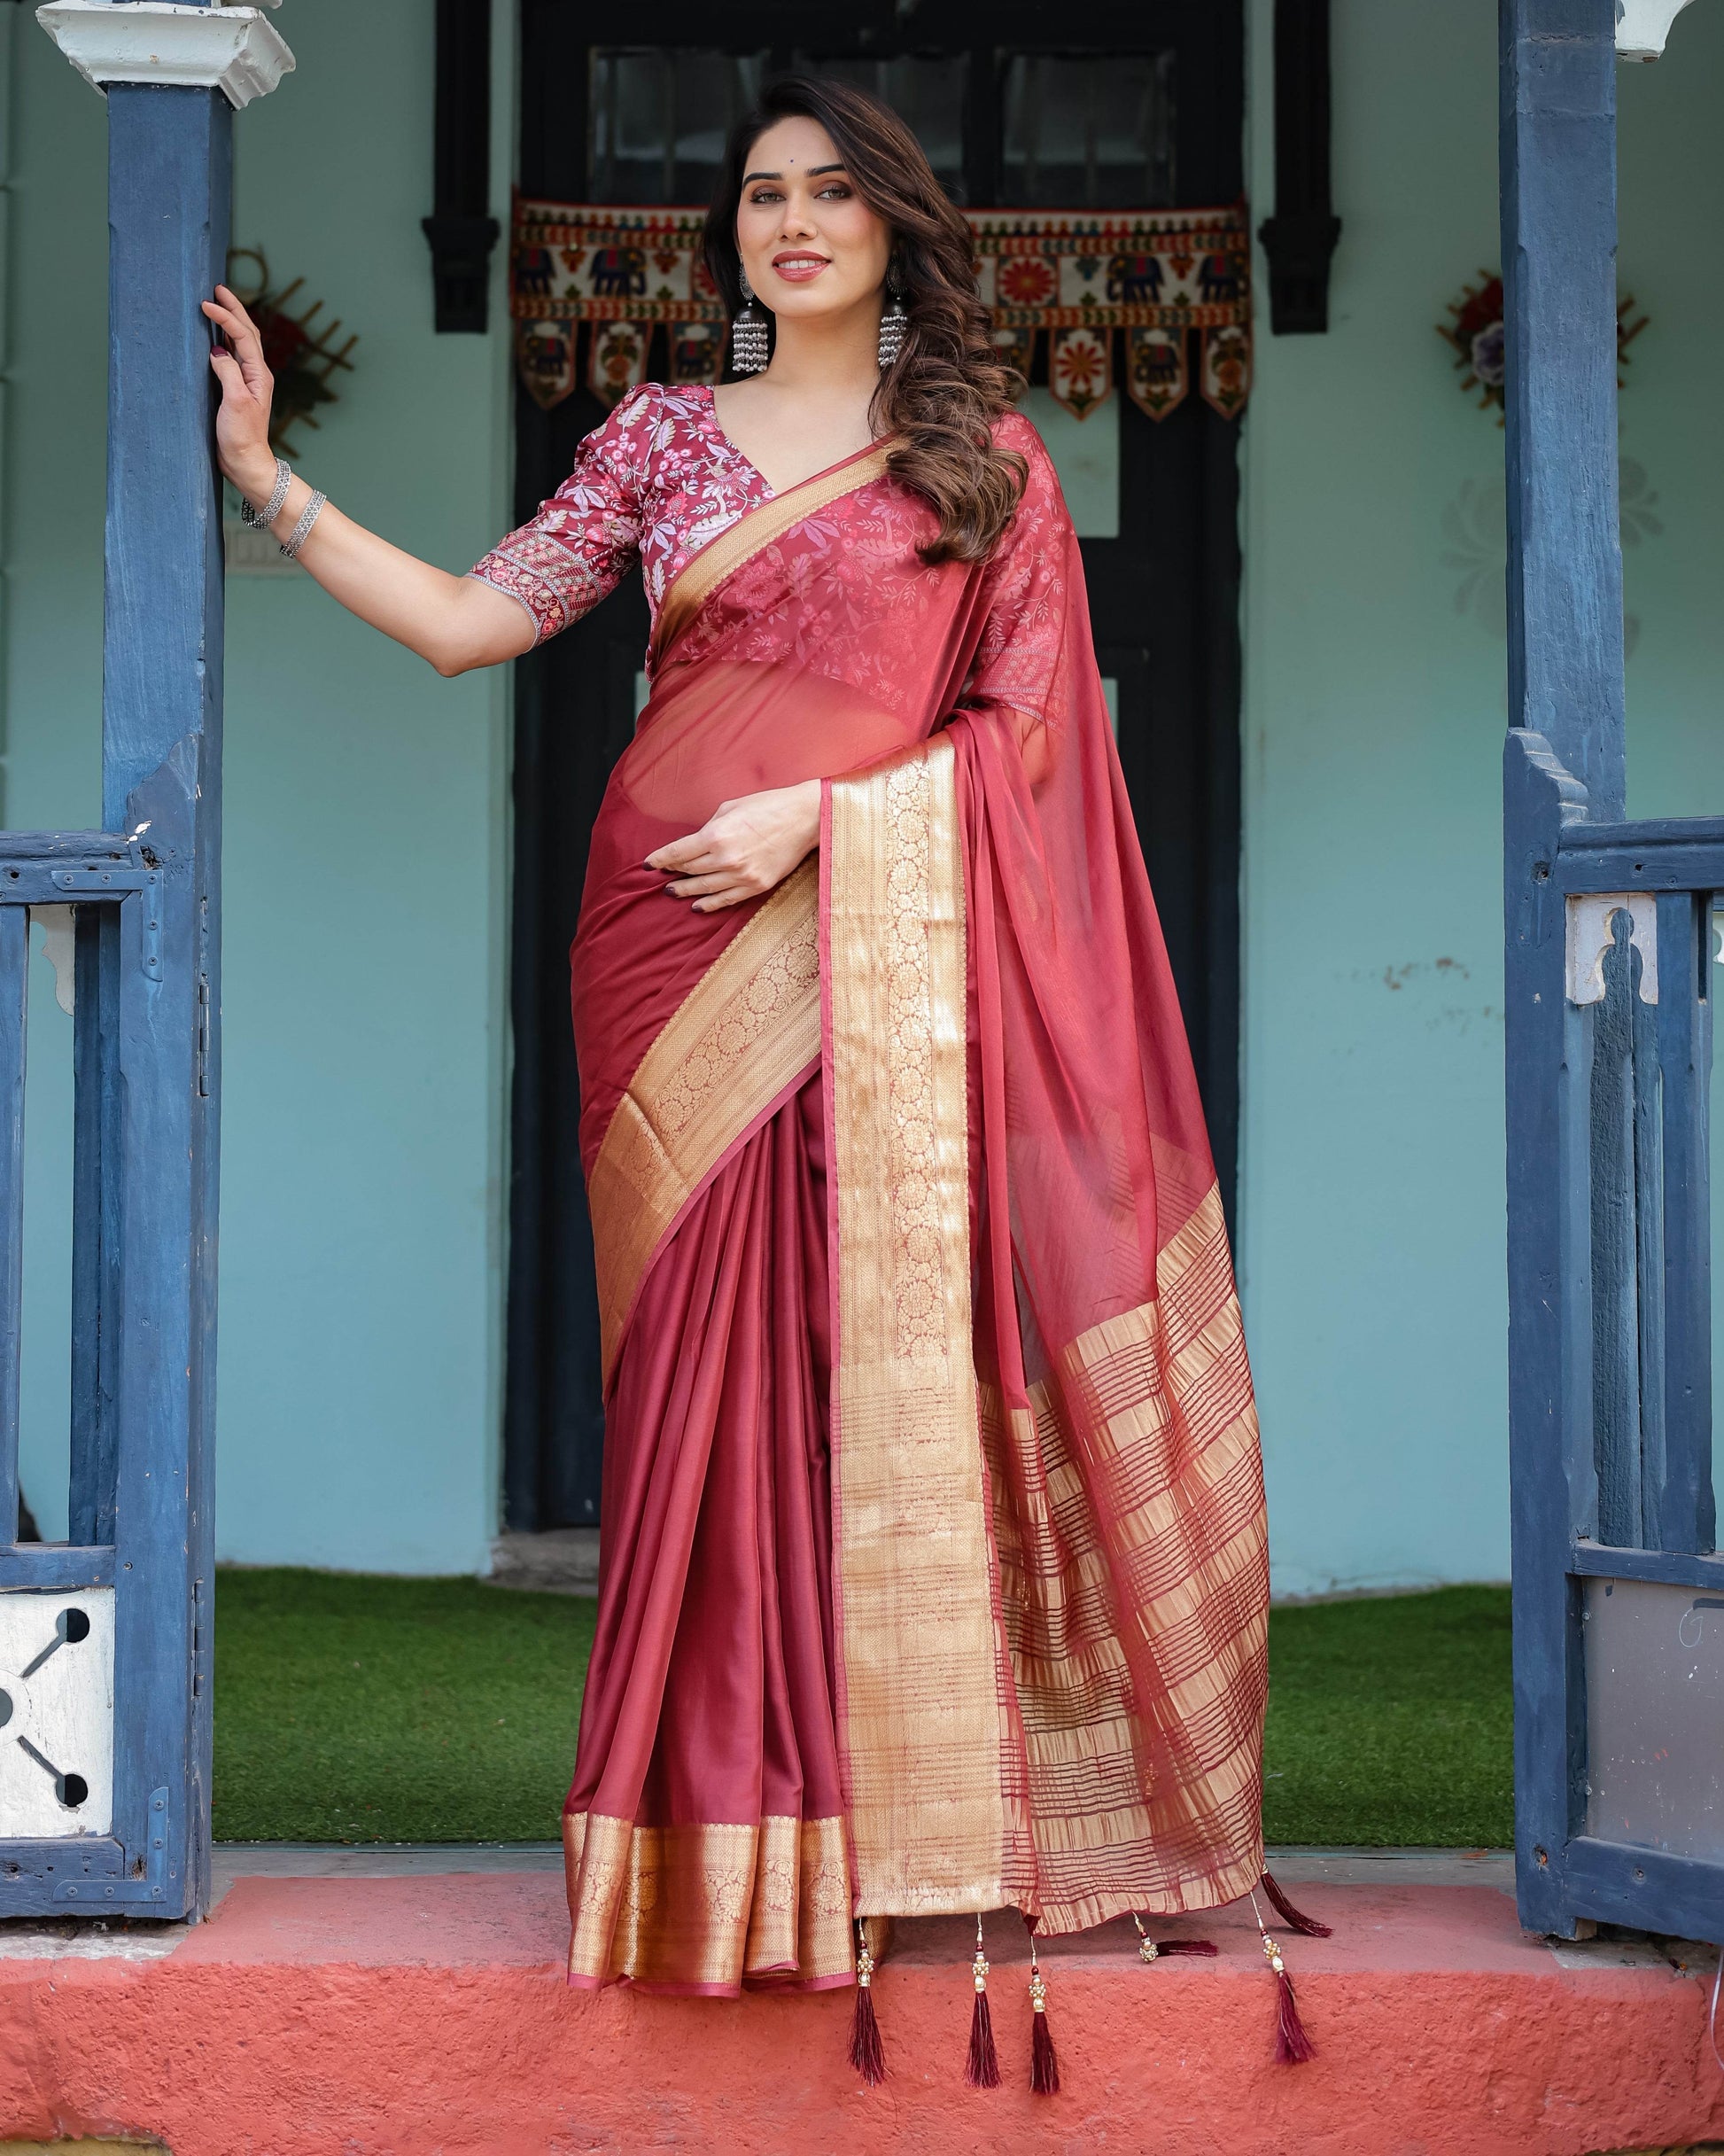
(934, 1575)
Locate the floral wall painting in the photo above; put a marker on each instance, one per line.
(299, 354)
(1474, 329)
(1475, 536)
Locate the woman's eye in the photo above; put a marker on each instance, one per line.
(766, 194)
(836, 189)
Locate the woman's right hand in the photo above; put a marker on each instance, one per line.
(242, 424)
(454, 622)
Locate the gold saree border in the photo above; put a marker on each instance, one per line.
(758, 528)
(702, 1907)
(920, 1710)
(747, 1031)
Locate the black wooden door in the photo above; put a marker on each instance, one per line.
(1137, 107)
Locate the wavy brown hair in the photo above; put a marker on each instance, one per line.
(949, 384)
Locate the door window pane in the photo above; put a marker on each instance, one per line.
(925, 90)
(1086, 457)
(1091, 133)
(660, 117)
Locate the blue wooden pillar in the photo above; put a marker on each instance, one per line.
(135, 1579)
(1559, 193)
(170, 159)
(1565, 702)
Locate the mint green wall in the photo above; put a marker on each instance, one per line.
(366, 853)
(1373, 1187)
(365, 856)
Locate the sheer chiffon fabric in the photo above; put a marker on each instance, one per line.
(934, 1568)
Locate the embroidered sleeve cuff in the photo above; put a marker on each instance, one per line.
(553, 586)
(482, 575)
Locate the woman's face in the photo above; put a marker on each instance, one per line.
(809, 245)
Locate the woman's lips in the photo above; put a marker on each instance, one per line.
(799, 269)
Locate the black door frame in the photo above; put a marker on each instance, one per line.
(1169, 586)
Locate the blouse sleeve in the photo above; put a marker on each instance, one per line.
(1019, 660)
(586, 538)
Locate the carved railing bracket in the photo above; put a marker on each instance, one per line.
(461, 230)
(1299, 238)
(1592, 931)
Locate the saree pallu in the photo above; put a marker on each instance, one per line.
(933, 1574)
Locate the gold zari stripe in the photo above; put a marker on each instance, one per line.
(758, 528)
(747, 1030)
(706, 1906)
(920, 1720)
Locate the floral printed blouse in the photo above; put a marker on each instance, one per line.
(655, 483)
(661, 478)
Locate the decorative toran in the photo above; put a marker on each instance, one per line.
(1140, 284)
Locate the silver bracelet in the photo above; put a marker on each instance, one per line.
(308, 516)
(260, 519)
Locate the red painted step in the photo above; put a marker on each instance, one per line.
(425, 2016)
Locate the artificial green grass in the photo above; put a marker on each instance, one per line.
(362, 1709)
(1391, 1721)
(350, 1709)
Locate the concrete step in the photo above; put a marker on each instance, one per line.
(424, 2013)
(564, 1560)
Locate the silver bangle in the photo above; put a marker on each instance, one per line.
(308, 516)
(260, 519)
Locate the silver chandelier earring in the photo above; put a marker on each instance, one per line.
(894, 323)
(748, 334)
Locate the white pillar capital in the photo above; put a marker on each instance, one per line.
(235, 50)
(1643, 25)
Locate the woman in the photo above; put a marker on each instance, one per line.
(933, 1574)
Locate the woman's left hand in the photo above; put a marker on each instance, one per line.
(744, 848)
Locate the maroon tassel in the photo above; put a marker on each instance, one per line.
(983, 2069)
(866, 2053)
(1044, 2067)
(1153, 1950)
(1308, 1927)
(1293, 2046)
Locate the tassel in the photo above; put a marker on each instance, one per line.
(1293, 2046)
(1153, 1950)
(866, 2054)
(982, 2071)
(1308, 1927)
(1044, 2067)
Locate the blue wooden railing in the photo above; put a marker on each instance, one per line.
(1611, 1048)
(1618, 1597)
(127, 1491)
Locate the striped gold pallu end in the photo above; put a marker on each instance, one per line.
(1129, 1495)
